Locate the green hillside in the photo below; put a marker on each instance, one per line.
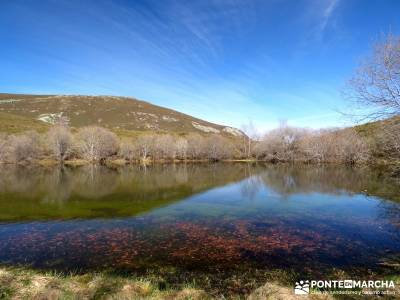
(116, 113)
(372, 128)
(11, 123)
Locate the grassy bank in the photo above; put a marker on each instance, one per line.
(21, 283)
(18, 283)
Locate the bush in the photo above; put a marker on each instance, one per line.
(96, 143)
(23, 147)
(59, 142)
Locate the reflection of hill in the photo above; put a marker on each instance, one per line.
(33, 193)
(98, 191)
(288, 179)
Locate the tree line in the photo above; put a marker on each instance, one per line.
(97, 144)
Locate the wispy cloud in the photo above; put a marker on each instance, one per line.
(225, 61)
(326, 16)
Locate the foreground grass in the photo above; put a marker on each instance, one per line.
(16, 283)
(21, 283)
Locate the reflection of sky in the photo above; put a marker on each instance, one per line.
(358, 214)
(239, 198)
(331, 229)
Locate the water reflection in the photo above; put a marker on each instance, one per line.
(211, 218)
(28, 193)
(330, 179)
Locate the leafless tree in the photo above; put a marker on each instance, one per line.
(128, 151)
(218, 148)
(181, 146)
(164, 147)
(376, 84)
(96, 143)
(280, 144)
(249, 138)
(60, 141)
(196, 148)
(314, 146)
(297, 144)
(349, 147)
(24, 146)
(144, 144)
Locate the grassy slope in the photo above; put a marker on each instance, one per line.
(126, 116)
(11, 123)
(371, 131)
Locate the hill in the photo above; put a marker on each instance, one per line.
(115, 113)
(11, 123)
(371, 129)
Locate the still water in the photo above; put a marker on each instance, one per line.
(213, 221)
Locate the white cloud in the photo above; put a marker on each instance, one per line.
(327, 13)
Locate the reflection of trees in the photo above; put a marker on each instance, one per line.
(288, 179)
(58, 187)
(94, 181)
(133, 189)
(21, 180)
(251, 186)
(97, 190)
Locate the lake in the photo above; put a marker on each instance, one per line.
(218, 224)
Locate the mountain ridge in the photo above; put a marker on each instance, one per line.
(113, 112)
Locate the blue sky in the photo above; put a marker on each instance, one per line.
(225, 61)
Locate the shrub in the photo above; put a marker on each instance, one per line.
(96, 143)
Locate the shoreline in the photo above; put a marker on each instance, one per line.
(121, 162)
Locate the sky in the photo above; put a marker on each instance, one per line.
(225, 61)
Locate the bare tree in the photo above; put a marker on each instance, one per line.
(24, 147)
(297, 144)
(313, 146)
(60, 141)
(196, 148)
(376, 84)
(218, 148)
(181, 146)
(349, 147)
(251, 135)
(128, 151)
(164, 147)
(96, 143)
(144, 144)
(280, 144)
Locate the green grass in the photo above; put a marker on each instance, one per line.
(11, 123)
(27, 283)
(24, 283)
(371, 129)
(126, 116)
